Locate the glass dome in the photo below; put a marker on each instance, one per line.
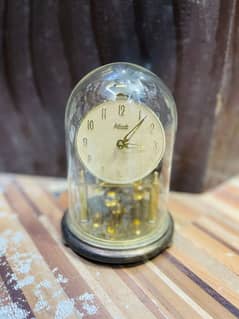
(120, 125)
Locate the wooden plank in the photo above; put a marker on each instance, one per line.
(196, 27)
(17, 146)
(156, 29)
(223, 159)
(78, 37)
(196, 278)
(200, 299)
(51, 71)
(24, 91)
(114, 29)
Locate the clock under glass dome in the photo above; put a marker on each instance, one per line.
(120, 126)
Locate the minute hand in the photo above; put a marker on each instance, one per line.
(128, 136)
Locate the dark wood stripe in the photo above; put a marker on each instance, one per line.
(16, 294)
(203, 285)
(139, 293)
(209, 233)
(49, 249)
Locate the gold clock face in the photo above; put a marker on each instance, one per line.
(120, 142)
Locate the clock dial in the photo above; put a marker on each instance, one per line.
(120, 142)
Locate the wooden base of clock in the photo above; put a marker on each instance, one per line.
(114, 256)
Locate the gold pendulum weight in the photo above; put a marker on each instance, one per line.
(138, 197)
(97, 219)
(112, 202)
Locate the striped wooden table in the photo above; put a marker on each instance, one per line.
(41, 278)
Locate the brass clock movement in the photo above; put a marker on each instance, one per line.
(120, 125)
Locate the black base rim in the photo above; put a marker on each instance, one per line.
(109, 256)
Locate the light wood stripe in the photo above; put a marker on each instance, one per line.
(216, 212)
(225, 209)
(229, 194)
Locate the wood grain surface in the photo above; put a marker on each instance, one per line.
(197, 277)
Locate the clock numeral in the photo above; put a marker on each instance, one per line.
(89, 158)
(85, 141)
(121, 109)
(152, 126)
(90, 124)
(103, 113)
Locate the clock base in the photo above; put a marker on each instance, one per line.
(116, 256)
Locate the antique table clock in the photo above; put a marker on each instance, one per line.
(120, 125)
